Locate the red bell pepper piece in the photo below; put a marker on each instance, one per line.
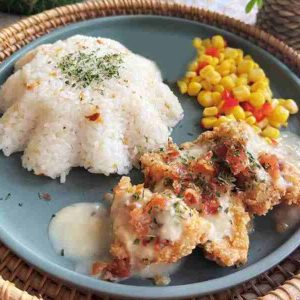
(212, 51)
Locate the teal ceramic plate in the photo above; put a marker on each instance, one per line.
(24, 218)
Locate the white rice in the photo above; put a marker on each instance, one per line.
(46, 118)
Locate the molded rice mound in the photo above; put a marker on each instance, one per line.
(103, 126)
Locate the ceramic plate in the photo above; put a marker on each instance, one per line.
(24, 218)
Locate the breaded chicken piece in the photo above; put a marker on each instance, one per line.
(149, 229)
(192, 174)
(229, 241)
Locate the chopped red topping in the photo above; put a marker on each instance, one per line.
(259, 115)
(267, 108)
(229, 100)
(93, 117)
(191, 197)
(211, 207)
(248, 107)
(212, 51)
(271, 164)
(201, 65)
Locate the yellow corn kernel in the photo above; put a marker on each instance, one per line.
(196, 79)
(240, 56)
(274, 103)
(206, 43)
(279, 114)
(221, 57)
(251, 120)
(256, 75)
(231, 53)
(271, 132)
(197, 43)
(215, 61)
(182, 86)
(206, 85)
(224, 67)
(234, 77)
(241, 81)
(206, 71)
(218, 41)
(190, 74)
(238, 112)
(214, 77)
(257, 99)
(245, 66)
(248, 114)
(231, 117)
(193, 88)
(227, 82)
(291, 106)
(268, 140)
(210, 111)
(256, 65)
(259, 85)
(205, 99)
(219, 88)
(209, 122)
(222, 119)
(256, 129)
(275, 124)
(216, 97)
(233, 69)
(201, 51)
(193, 66)
(263, 123)
(248, 57)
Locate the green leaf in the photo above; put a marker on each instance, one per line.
(260, 3)
(250, 5)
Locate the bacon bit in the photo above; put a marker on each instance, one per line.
(203, 166)
(171, 154)
(158, 244)
(157, 201)
(237, 159)
(270, 164)
(94, 117)
(98, 268)
(177, 186)
(140, 221)
(211, 207)
(31, 86)
(119, 268)
(191, 197)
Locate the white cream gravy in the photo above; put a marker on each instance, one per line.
(82, 233)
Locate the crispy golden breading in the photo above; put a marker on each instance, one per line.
(150, 228)
(231, 250)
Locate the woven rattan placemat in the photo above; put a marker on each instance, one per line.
(16, 276)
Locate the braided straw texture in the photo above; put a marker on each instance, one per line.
(282, 19)
(25, 277)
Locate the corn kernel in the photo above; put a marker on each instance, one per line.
(197, 43)
(227, 82)
(194, 88)
(275, 124)
(256, 75)
(193, 66)
(222, 119)
(196, 79)
(240, 56)
(224, 67)
(291, 106)
(201, 51)
(233, 69)
(279, 114)
(259, 85)
(241, 81)
(182, 86)
(190, 74)
(214, 77)
(210, 111)
(218, 41)
(263, 123)
(209, 122)
(271, 132)
(206, 43)
(216, 97)
(248, 57)
(257, 99)
(234, 77)
(251, 120)
(231, 53)
(238, 112)
(221, 57)
(248, 114)
(205, 99)
(207, 86)
(245, 66)
(268, 140)
(256, 129)
(219, 88)
(206, 71)
(215, 61)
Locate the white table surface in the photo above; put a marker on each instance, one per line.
(234, 8)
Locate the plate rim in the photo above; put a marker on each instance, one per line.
(144, 292)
